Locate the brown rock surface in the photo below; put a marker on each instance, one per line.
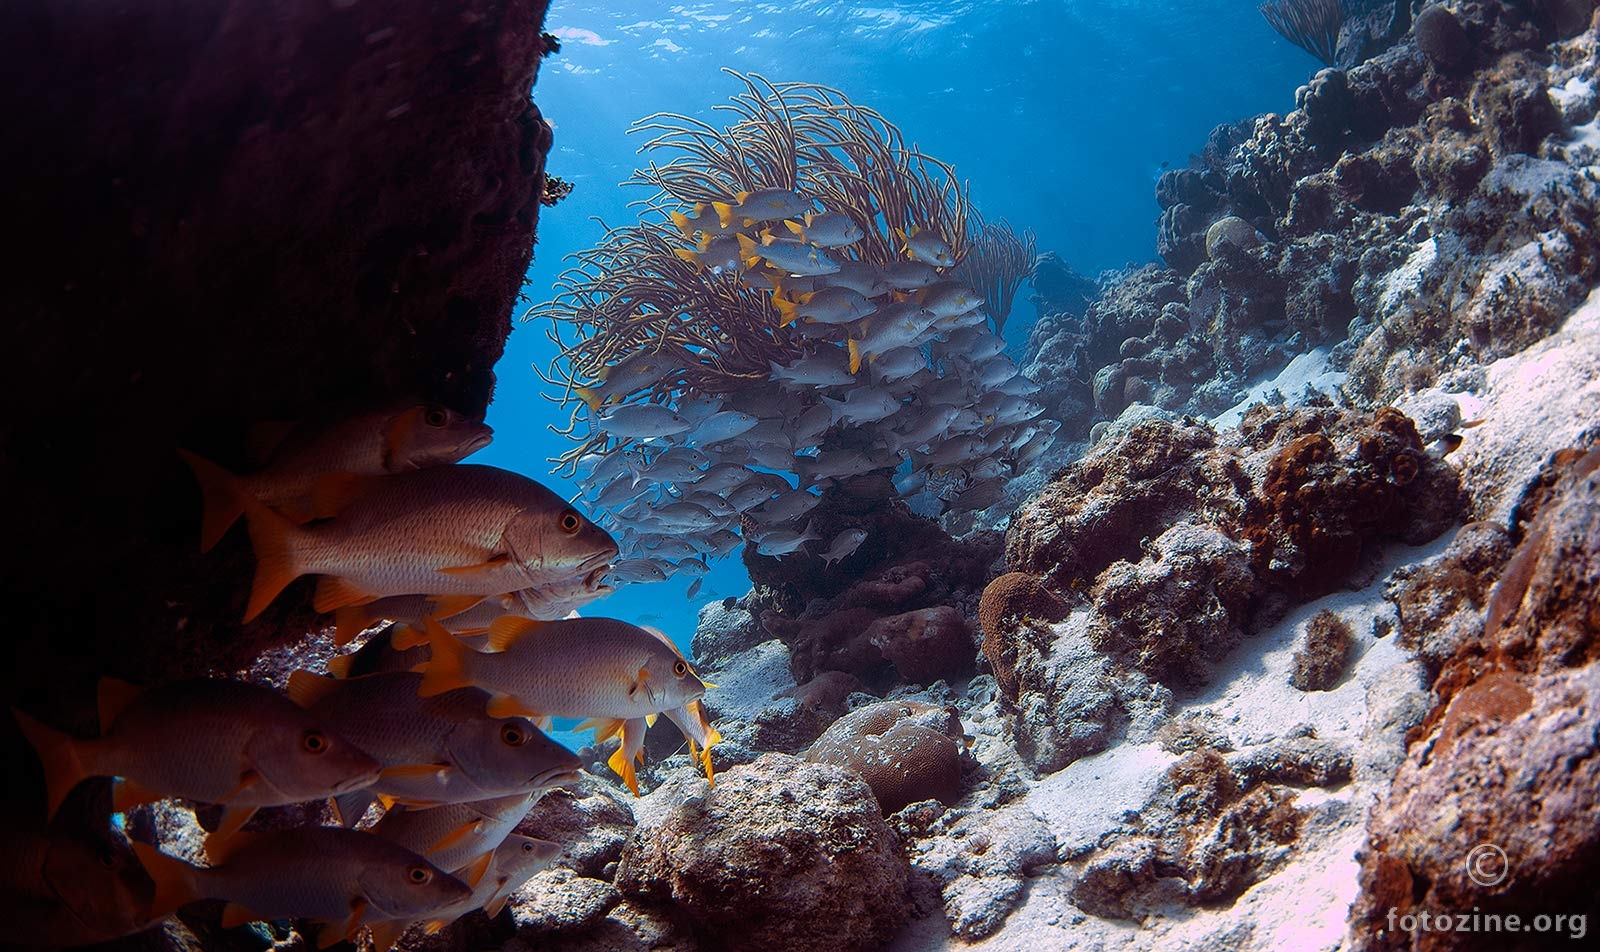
(235, 212)
(781, 856)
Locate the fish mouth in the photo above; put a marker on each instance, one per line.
(593, 581)
(359, 782)
(477, 442)
(554, 777)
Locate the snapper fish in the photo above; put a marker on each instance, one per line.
(460, 530)
(858, 276)
(765, 204)
(335, 876)
(827, 306)
(545, 603)
(863, 405)
(926, 246)
(600, 669)
(493, 878)
(781, 542)
(909, 275)
(948, 298)
(793, 257)
(389, 440)
(63, 888)
(442, 749)
(829, 229)
(826, 367)
(642, 421)
(230, 742)
(455, 835)
(633, 373)
(843, 544)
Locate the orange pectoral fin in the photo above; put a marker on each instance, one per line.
(412, 771)
(504, 705)
(456, 836)
(473, 872)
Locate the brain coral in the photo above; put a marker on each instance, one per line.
(1013, 598)
(905, 751)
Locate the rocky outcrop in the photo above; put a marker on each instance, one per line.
(781, 855)
(235, 213)
(1172, 543)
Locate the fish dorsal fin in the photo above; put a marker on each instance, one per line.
(604, 728)
(797, 228)
(340, 667)
(473, 872)
(742, 197)
(333, 492)
(114, 696)
(334, 593)
(307, 689)
(507, 630)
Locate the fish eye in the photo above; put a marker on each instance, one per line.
(105, 856)
(527, 847)
(436, 416)
(419, 875)
(681, 668)
(513, 735)
(314, 741)
(570, 522)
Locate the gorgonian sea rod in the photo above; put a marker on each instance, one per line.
(806, 299)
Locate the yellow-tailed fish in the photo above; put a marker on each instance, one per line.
(456, 834)
(926, 246)
(493, 878)
(705, 220)
(61, 888)
(230, 742)
(442, 749)
(335, 876)
(546, 603)
(389, 440)
(765, 204)
(465, 531)
(696, 727)
(829, 229)
(793, 257)
(601, 669)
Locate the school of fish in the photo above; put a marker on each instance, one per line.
(430, 750)
(900, 373)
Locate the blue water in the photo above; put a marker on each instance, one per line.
(1060, 115)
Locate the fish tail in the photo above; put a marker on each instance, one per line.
(59, 754)
(404, 637)
(348, 621)
(175, 880)
(798, 229)
(724, 213)
(446, 670)
(221, 506)
(855, 355)
(747, 251)
(271, 535)
(788, 311)
(682, 221)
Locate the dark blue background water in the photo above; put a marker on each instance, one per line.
(1059, 114)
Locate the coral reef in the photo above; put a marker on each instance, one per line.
(905, 751)
(781, 855)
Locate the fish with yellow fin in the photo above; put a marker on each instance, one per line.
(926, 246)
(66, 887)
(462, 532)
(388, 440)
(456, 834)
(216, 741)
(607, 671)
(442, 749)
(762, 204)
(546, 603)
(335, 876)
(493, 878)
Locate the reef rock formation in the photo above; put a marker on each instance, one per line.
(781, 855)
(1173, 543)
(905, 751)
(1494, 811)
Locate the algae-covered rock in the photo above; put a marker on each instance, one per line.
(781, 856)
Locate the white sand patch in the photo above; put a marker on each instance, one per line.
(1307, 370)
